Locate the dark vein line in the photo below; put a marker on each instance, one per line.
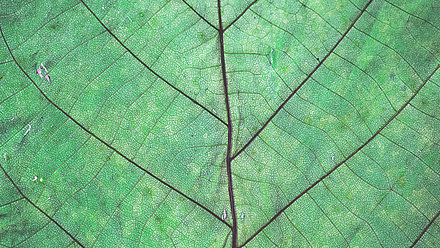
(9, 61)
(425, 113)
(425, 230)
(368, 75)
(39, 209)
(330, 220)
(115, 208)
(13, 94)
(408, 13)
(392, 49)
(90, 82)
(9, 203)
(345, 160)
(291, 34)
(303, 82)
(71, 50)
(151, 70)
(102, 141)
(305, 238)
(228, 110)
(33, 234)
(351, 212)
(149, 217)
(24, 124)
(197, 13)
(226, 239)
(273, 243)
(424, 135)
(238, 17)
(18, 10)
(410, 152)
(44, 24)
(66, 160)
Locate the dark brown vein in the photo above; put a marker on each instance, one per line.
(410, 14)
(9, 61)
(229, 148)
(345, 160)
(149, 68)
(39, 209)
(330, 220)
(44, 24)
(197, 13)
(115, 208)
(9, 203)
(425, 230)
(102, 141)
(240, 15)
(303, 82)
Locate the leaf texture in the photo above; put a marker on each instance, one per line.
(187, 123)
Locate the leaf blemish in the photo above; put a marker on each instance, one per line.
(29, 129)
(271, 55)
(224, 215)
(39, 72)
(54, 26)
(402, 177)
(201, 36)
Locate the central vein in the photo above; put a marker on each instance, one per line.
(229, 148)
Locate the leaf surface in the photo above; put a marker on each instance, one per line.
(185, 123)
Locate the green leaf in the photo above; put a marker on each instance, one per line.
(187, 123)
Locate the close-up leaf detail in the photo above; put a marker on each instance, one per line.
(220, 123)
